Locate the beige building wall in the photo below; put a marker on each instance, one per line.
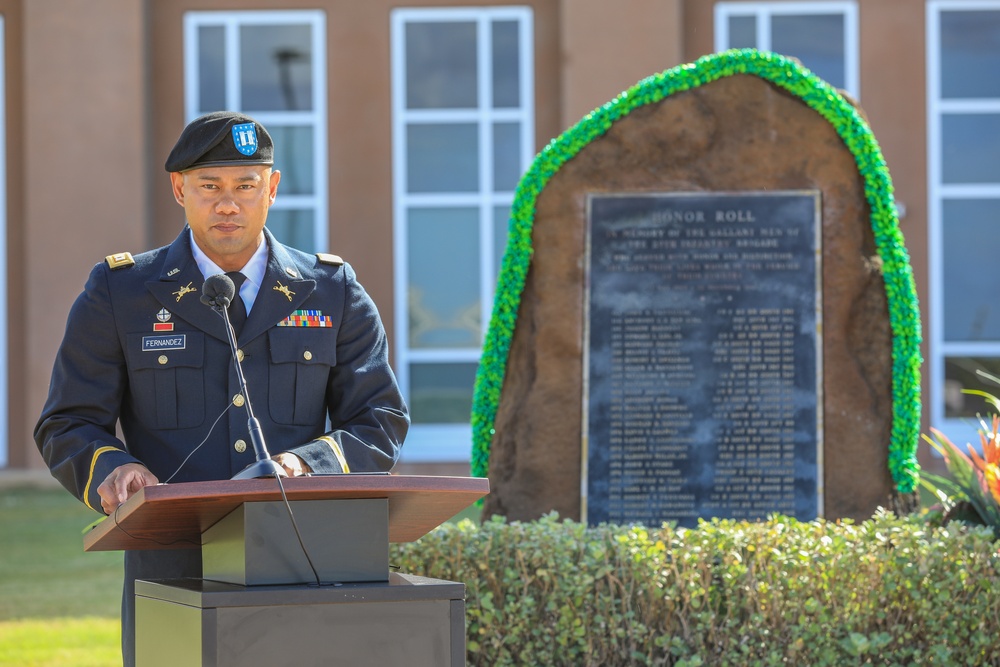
(84, 147)
(95, 102)
(609, 46)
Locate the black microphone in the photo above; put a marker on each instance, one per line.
(218, 292)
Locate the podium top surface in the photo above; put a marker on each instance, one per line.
(173, 516)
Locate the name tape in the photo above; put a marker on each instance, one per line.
(157, 343)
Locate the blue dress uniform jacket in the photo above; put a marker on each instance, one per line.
(325, 393)
(167, 388)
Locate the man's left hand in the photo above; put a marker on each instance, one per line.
(292, 464)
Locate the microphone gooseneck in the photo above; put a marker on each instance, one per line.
(218, 292)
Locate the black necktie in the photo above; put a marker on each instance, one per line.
(237, 309)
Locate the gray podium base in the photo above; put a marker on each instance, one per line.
(255, 544)
(409, 620)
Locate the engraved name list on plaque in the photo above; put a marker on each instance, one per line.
(702, 357)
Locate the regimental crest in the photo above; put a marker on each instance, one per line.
(245, 138)
(163, 315)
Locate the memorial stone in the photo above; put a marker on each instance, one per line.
(736, 135)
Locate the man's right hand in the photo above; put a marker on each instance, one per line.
(124, 481)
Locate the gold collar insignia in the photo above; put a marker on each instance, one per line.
(187, 289)
(284, 290)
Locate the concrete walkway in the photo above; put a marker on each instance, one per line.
(33, 478)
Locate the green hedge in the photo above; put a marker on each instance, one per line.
(888, 591)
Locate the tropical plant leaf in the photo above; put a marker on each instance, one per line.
(990, 511)
(964, 472)
(990, 398)
(944, 489)
(989, 376)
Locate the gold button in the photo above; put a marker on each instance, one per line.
(307, 355)
(241, 446)
(239, 355)
(238, 400)
(163, 359)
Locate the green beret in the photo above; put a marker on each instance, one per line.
(221, 139)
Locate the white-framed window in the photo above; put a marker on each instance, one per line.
(463, 133)
(963, 143)
(823, 36)
(272, 66)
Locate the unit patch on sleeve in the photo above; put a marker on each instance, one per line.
(306, 318)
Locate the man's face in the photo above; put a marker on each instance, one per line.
(226, 208)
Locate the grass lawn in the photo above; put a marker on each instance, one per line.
(59, 606)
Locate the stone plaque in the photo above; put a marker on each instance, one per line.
(703, 379)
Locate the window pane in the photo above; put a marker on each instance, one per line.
(441, 65)
(815, 39)
(971, 270)
(441, 393)
(970, 54)
(742, 32)
(211, 68)
(506, 156)
(276, 67)
(506, 77)
(501, 222)
(442, 158)
(293, 227)
(293, 156)
(443, 280)
(970, 148)
(961, 373)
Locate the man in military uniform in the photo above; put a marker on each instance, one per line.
(143, 352)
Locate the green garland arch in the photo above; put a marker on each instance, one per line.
(899, 285)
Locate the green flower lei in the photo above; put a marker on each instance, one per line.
(899, 285)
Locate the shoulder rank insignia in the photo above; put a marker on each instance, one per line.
(120, 260)
(327, 258)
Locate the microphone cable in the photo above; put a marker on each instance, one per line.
(298, 535)
(281, 487)
(200, 444)
(114, 515)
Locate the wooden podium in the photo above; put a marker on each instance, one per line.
(258, 602)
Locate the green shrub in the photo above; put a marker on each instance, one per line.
(888, 591)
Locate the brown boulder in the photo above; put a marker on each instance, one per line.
(739, 133)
